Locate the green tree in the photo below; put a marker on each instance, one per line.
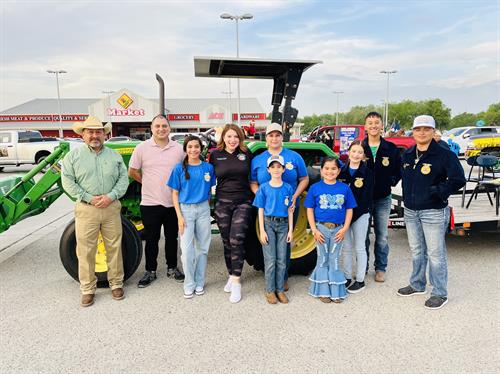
(463, 119)
(441, 114)
(492, 115)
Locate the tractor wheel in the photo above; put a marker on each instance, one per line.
(303, 256)
(131, 251)
(1, 168)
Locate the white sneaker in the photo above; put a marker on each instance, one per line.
(235, 293)
(199, 291)
(227, 287)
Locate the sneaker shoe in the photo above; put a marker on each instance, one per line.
(337, 301)
(235, 293)
(199, 291)
(436, 302)
(87, 300)
(148, 278)
(188, 295)
(348, 282)
(176, 274)
(227, 287)
(282, 298)
(356, 287)
(325, 300)
(379, 276)
(271, 298)
(118, 294)
(410, 291)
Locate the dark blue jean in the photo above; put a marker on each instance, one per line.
(380, 215)
(275, 254)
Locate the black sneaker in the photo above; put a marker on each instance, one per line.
(148, 278)
(436, 302)
(356, 287)
(348, 283)
(176, 274)
(410, 291)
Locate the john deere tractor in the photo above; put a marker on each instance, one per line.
(21, 197)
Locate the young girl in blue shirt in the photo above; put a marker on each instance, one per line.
(329, 206)
(191, 183)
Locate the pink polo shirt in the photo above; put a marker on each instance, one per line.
(156, 164)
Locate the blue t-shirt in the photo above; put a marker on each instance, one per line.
(274, 200)
(198, 187)
(330, 201)
(295, 168)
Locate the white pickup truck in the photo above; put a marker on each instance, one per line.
(24, 147)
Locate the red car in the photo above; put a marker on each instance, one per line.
(344, 134)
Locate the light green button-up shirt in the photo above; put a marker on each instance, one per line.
(86, 174)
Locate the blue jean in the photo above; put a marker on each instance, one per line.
(327, 280)
(426, 231)
(289, 245)
(354, 239)
(380, 215)
(275, 254)
(195, 242)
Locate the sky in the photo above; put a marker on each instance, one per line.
(440, 49)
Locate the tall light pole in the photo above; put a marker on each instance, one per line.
(338, 93)
(108, 101)
(57, 72)
(228, 93)
(237, 18)
(388, 73)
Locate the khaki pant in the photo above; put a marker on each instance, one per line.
(89, 221)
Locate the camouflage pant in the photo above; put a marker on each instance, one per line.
(233, 220)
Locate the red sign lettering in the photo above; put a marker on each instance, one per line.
(250, 116)
(42, 117)
(125, 112)
(184, 117)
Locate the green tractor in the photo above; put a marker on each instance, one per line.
(21, 197)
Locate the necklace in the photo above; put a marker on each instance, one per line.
(418, 156)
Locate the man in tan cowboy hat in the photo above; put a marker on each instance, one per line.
(96, 177)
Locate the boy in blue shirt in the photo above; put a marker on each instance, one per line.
(273, 199)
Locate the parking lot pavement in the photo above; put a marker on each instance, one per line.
(43, 328)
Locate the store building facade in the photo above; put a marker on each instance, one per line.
(131, 114)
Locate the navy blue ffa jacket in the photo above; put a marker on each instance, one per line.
(386, 167)
(428, 181)
(361, 184)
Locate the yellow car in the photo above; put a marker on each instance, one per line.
(487, 143)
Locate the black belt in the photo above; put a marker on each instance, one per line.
(276, 219)
(330, 225)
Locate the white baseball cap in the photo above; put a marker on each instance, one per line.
(276, 158)
(274, 127)
(424, 121)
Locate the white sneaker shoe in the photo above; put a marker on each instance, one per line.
(227, 287)
(235, 293)
(199, 291)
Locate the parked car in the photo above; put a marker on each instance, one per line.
(356, 132)
(121, 139)
(484, 144)
(461, 135)
(19, 147)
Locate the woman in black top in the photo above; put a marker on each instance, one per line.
(233, 207)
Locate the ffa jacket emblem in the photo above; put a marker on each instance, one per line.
(426, 169)
(385, 161)
(358, 182)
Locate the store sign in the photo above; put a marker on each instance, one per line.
(250, 116)
(42, 117)
(125, 112)
(125, 101)
(216, 115)
(183, 117)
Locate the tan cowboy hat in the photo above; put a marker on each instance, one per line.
(91, 123)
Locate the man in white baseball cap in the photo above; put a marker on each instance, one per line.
(430, 175)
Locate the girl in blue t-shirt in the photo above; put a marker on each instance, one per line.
(191, 183)
(329, 206)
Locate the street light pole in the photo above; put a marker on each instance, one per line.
(388, 73)
(108, 101)
(228, 93)
(237, 18)
(57, 72)
(338, 93)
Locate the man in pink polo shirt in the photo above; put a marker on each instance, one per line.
(151, 165)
